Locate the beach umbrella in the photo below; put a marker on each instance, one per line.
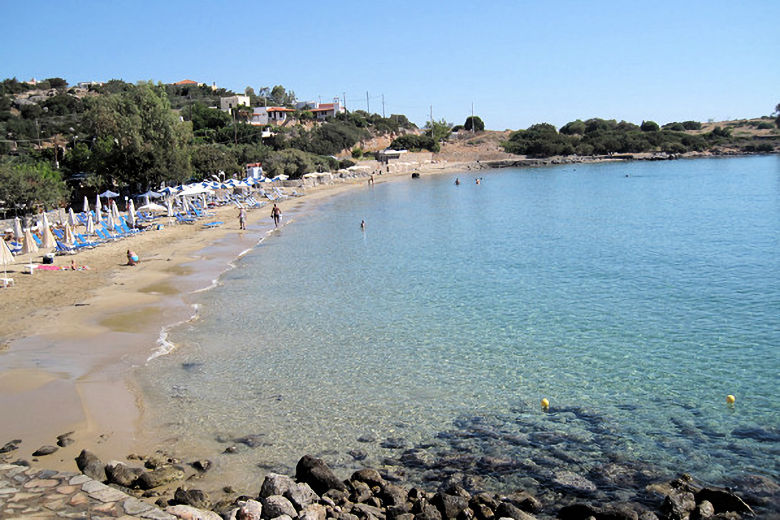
(108, 194)
(153, 208)
(86, 204)
(115, 210)
(151, 194)
(29, 247)
(169, 206)
(111, 222)
(185, 205)
(146, 200)
(61, 215)
(71, 217)
(47, 237)
(98, 214)
(18, 233)
(69, 238)
(90, 225)
(6, 257)
(131, 213)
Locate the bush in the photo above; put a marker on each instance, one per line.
(415, 143)
(474, 123)
(765, 126)
(345, 163)
(649, 126)
(573, 127)
(357, 153)
(692, 125)
(677, 127)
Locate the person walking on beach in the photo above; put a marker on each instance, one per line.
(241, 218)
(363, 225)
(276, 214)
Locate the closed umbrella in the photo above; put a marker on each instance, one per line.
(169, 206)
(18, 233)
(61, 216)
(98, 215)
(6, 257)
(71, 217)
(69, 238)
(115, 210)
(29, 247)
(86, 204)
(47, 238)
(90, 225)
(111, 223)
(131, 213)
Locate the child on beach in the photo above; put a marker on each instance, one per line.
(132, 258)
(242, 218)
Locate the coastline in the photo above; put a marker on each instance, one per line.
(149, 298)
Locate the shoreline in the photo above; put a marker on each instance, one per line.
(107, 424)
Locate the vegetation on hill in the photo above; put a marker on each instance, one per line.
(602, 137)
(131, 137)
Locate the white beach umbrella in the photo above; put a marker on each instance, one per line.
(18, 233)
(169, 206)
(185, 205)
(29, 247)
(61, 216)
(153, 208)
(115, 210)
(47, 237)
(98, 204)
(71, 217)
(111, 223)
(131, 213)
(90, 225)
(86, 204)
(98, 215)
(6, 257)
(69, 238)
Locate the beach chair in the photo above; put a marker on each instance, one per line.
(15, 247)
(64, 249)
(37, 240)
(82, 241)
(182, 219)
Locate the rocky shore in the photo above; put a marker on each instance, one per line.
(160, 486)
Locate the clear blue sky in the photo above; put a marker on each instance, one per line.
(518, 62)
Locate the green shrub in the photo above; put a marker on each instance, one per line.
(649, 126)
(415, 143)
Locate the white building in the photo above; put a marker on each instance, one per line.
(226, 104)
(267, 115)
(254, 170)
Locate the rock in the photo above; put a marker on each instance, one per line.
(317, 474)
(301, 495)
(336, 496)
(618, 512)
(253, 441)
(11, 446)
(578, 512)
(313, 512)
(428, 512)
(723, 501)
(368, 437)
(703, 510)
(482, 512)
(277, 505)
(524, 501)
(275, 484)
(121, 474)
(360, 492)
(190, 513)
(484, 499)
(369, 476)
(678, 506)
(159, 477)
(507, 510)
(392, 495)
(402, 516)
(230, 449)
(90, 465)
(283, 517)
(64, 439)
(394, 443)
(192, 497)
(44, 450)
(574, 482)
(357, 454)
(450, 506)
(347, 516)
(648, 515)
(156, 461)
(202, 465)
(249, 510)
(416, 458)
(367, 512)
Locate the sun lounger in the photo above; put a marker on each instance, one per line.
(65, 249)
(6, 282)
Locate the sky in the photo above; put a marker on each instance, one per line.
(516, 62)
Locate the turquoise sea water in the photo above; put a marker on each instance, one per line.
(633, 296)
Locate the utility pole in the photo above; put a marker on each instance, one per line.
(344, 98)
(368, 104)
(431, 121)
(383, 106)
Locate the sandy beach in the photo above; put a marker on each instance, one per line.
(70, 338)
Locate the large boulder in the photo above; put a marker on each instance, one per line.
(507, 510)
(450, 506)
(275, 484)
(578, 512)
(159, 477)
(90, 465)
(192, 497)
(524, 501)
(122, 474)
(301, 495)
(317, 474)
(246, 510)
(368, 476)
(392, 495)
(277, 505)
(723, 501)
(678, 506)
(313, 512)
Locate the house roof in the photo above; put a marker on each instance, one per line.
(186, 82)
(279, 109)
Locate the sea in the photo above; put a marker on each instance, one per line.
(633, 296)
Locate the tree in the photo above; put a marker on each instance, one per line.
(777, 113)
(474, 123)
(280, 96)
(27, 185)
(649, 126)
(138, 140)
(438, 130)
(573, 127)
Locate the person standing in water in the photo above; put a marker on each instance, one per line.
(457, 181)
(276, 214)
(363, 225)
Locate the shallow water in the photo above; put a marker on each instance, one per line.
(634, 296)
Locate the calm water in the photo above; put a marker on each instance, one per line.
(634, 304)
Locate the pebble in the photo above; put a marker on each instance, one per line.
(26, 492)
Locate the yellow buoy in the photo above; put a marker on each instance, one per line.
(545, 404)
(730, 399)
